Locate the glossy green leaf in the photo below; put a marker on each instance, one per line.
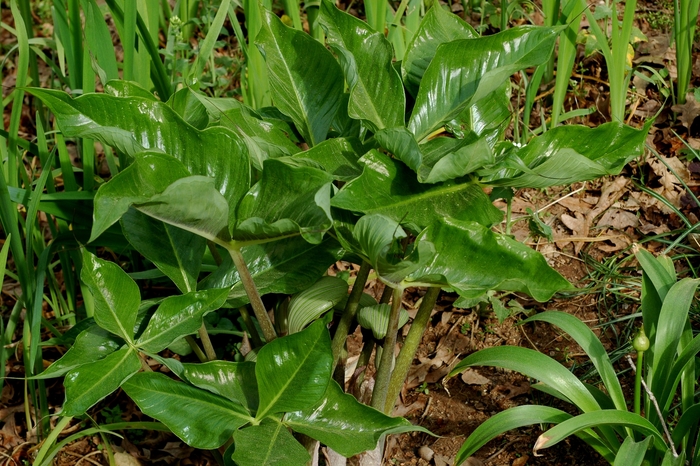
(92, 344)
(89, 383)
(308, 305)
(489, 117)
(178, 316)
(267, 444)
(201, 419)
(337, 156)
(597, 419)
(672, 320)
(116, 296)
(567, 154)
(376, 318)
(293, 371)
(135, 124)
(468, 70)
(536, 365)
(376, 91)
(504, 421)
(590, 343)
(122, 88)
(380, 241)
(473, 259)
(208, 217)
(264, 140)
(150, 174)
(291, 198)
(305, 80)
(437, 27)
(286, 267)
(190, 108)
(232, 380)
(176, 252)
(632, 453)
(397, 194)
(344, 424)
(440, 159)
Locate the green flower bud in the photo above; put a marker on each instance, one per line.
(640, 342)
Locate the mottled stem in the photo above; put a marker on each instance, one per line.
(341, 332)
(381, 384)
(409, 348)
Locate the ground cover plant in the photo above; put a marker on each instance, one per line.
(231, 207)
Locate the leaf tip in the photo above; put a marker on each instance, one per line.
(540, 444)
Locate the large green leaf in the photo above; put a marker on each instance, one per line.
(437, 27)
(396, 193)
(92, 344)
(590, 343)
(293, 371)
(207, 217)
(309, 304)
(286, 267)
(473, 259)
(268, 444)
(201, 419)
(504, 421)
(337, 156)
(488, 117)
(135, 124)
(305, 79)
(263, 139)
(178, 316)
(89, 383)
(176, 252)
(115, 294)
(344, 424)
(233, 380)
(440, 159)
(150, 174)
(468, 70)
(291, 198)
(376, 319)
(567, 154)
(536, 365)
(595, 419)
(376, 91)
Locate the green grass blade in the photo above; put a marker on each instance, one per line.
(207, 45)
(631, 453)
(597, 419)
(590, 343)
(536, 365)
(504, 421)
(99, 40)
(672, 320)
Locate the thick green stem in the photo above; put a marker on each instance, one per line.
(409, 348)
(381, 384)
(195, 348)
(341, 333)
(365, 355)
(386, 295)
(206, 342)
(252, 291)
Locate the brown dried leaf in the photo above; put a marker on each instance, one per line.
(472, 377)
(618, 219)
(689, 111)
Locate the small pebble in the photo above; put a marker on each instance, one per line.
(426, 453)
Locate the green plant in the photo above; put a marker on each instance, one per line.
(665, 431)
(685, 18)
(203, 174)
